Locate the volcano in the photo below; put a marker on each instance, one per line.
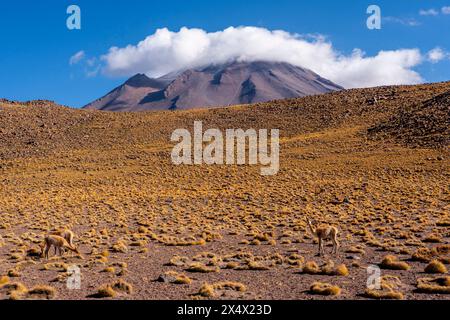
(214, 86)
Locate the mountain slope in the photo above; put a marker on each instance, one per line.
(230, 84)
(129, 94)
(34, 128)
(425, 124)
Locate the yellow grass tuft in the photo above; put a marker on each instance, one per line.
(15, 290)
(324, 289)
(440, 285)
(207, 290)
(311, 267)
(388, 289)
(4, 280)
(391, 262)
(42, 292)
(201, 268)
(435, 266)
(109, 270)
(123, 286)
(328, 269)
(210, 290)
(105, 291)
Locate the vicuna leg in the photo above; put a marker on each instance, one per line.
(336, 245)
(46, 250)
(320, 246)
(71, 239)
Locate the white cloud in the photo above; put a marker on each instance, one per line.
(445, 10)
(435, 55)
(77, 57)
(429, 12)
(165, 51)
(93, 72)
(92, 62)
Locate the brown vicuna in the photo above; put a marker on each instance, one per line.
(323, 233)
(66, 234)
(59, 243)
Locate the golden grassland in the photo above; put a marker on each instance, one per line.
(151, 230)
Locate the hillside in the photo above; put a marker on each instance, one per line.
(41, 128)
(426, 124)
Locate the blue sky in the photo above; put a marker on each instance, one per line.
(36, 45)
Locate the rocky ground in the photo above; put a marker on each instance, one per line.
(372, 162)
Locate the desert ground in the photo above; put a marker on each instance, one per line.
(372, 162)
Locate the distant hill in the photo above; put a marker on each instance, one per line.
(40, 128)
(219, 85)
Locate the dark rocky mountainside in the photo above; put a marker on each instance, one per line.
(213, 86)
(426, 124)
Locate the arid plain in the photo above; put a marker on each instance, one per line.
(372, 162)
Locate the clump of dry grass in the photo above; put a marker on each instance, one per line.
(388, 289)
(175, 278)
(231, 265)
(105, 253)
(123, 286)
(341, 270)
(16, 256)
(295, 260)
(311, 267)
(211, 290)
(328, 269)
(437, 253)
(391, 262)
(34, 253)
(237, 286)
(119, 247)
(435, 266)
(433, 238)
(355, 249)
(109, 270)
(56, 266)
(105, 291)
(201, 268)
(324, 289)
(206, 290)
(41, 292)
(112, 290)
(178, 261)
(440, 285)
(4, 280)
(15, 290)
(443, 223)
(256, 266)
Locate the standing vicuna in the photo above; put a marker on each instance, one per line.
(59, 243)
(323, 233)
(66, 234)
